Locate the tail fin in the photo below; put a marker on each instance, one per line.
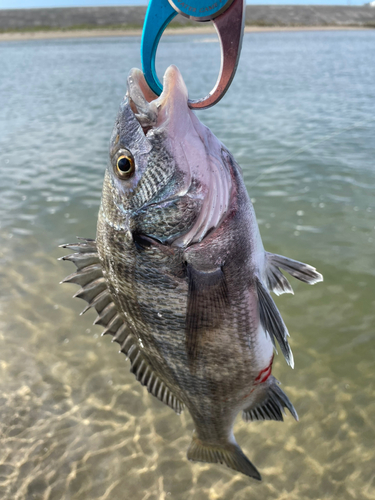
(277, 282)
(230, 455)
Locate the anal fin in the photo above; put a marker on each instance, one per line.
(229, 454)
(268, 403)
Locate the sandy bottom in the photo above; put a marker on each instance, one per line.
(45, 35)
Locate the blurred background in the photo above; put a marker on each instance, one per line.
(300, 120)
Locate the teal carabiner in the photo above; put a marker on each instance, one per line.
(228, 17)
(159, 14)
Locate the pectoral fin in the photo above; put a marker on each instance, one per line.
(268, 403)
(278, 283)
(207, 298)
(272, 321)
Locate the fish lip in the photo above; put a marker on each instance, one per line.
(172, 83)
(137, 84)
(154, 111)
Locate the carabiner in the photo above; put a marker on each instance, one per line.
(228, 17)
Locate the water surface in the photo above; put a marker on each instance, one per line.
(300, 119)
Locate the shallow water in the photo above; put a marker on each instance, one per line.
(300, 119)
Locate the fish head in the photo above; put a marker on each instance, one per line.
(160, 151)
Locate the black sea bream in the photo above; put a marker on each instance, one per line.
(178, 273)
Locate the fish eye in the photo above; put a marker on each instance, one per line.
(125, 166)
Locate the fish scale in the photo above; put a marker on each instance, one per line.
(178, 274)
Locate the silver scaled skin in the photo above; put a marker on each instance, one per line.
(179, 275)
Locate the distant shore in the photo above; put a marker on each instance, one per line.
(88, 22)
(206, 30)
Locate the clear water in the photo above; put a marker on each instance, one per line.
(300, 119)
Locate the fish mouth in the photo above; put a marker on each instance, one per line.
(153, 112)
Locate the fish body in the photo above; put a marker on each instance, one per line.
(179, 275)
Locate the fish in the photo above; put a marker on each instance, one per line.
(179, 276)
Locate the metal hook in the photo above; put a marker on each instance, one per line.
(228, 18)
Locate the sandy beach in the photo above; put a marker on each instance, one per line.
(206, 30)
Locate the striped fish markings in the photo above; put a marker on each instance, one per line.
(179, 276)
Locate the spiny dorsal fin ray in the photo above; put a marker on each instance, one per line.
(91, 290)
(268, 403)
(82, 259)
(115, 325)
(85, 275)
(277, 282)
(94, 290)
(272, 321)
(99, 302)
(85, 245)
(106, 315)
(144, 373)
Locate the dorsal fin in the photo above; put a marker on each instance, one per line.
(94, 290)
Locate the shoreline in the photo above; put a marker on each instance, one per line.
(208, 30)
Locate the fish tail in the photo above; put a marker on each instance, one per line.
(229, 454)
